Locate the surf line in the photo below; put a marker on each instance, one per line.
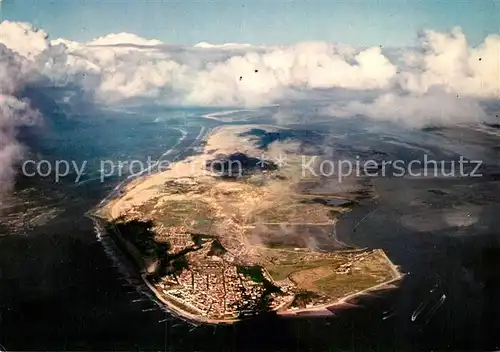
(168, 152)
(215, 115)
(131, 177)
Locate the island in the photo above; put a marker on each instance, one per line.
(240, 230)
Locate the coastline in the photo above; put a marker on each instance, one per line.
(144, 185)
(187, 166)
(127, 249)
(172, 307)
(297, 313)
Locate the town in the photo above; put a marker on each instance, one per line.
(214, 285)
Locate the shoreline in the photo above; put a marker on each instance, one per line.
(122, 186)
(170, 305)
(106, 211)
(144, 184)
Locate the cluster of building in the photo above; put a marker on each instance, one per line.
(176, 236)
(352, 263)
(214, 289)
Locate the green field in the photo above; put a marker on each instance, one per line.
(196, 215)
(340, 285)
(316, 273)
(282, 271)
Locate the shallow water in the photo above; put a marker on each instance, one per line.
(59, 289)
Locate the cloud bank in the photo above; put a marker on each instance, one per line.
(441, 80)
(15, 72)
(123, 66)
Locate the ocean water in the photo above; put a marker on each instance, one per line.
(61, 290)
(56, 281)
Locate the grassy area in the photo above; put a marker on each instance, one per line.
(276, 245)
(199, 238)
(175, 212)
(320, 276)
(141, 236)
(196, 215)
(254, 272)
(277, 214)
(282, 271)
(148, 207)
(217, 249)
(303, 298)
(338, 286)
(292, 210)
(203, 223)
(325, 281)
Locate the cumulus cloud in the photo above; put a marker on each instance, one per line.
(205, 45)
(210, 75)
(14, 114)
(123, 38)
(446, 60)
(23, 38)
(443, 80)
(128, 66)
(245, 75)
(434, 108)
(124, 66)
(16, 71)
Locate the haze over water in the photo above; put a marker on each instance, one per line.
(60, 285)
(109, 82)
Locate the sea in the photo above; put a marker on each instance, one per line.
(62, 289)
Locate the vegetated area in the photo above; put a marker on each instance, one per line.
(326, 277)
(194, 214)
(224, 248)
(195, 272)
(139, 241)
(291, 236)
(248, 307)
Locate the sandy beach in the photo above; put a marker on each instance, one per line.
(222, 140)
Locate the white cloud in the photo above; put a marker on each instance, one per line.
(15, 72)
(124, 38)
(205, 45)
(444, 80)
(446, 60)
(14, 113)
(124, 66)
(23, 38)
(436, 107)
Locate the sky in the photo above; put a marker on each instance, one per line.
(445, 77)
(360, 23)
